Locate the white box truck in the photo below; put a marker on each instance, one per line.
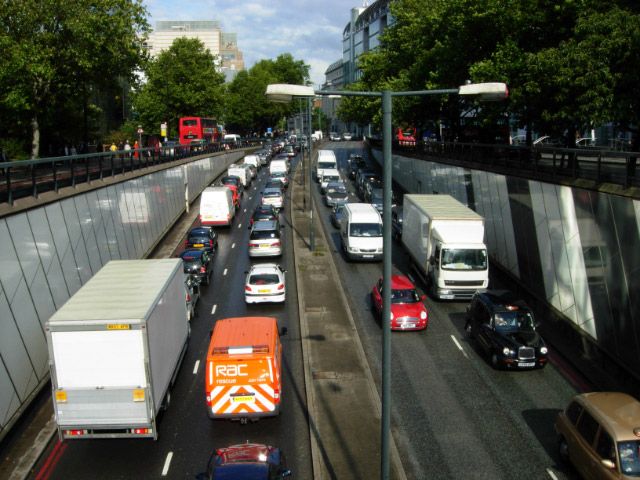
(241, 171)
(115, 349)
(216, 206)
(445, 240)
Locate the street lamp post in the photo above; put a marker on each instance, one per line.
(284, 93)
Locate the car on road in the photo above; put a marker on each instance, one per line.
(355, 165)
(254, 171)
(265, 283)
(246, 461)
(504, 328)
(282, 176)
(169, 148)
(598, 434)
(264, 156)
(274, 183)
(354, 157)
(192, 294)
(334, 137)
(199, 263)
(273, 196)
(346, 136)
(289, 150)
(335, 192)
(336, 214)
(234, 180)
(264, 212)
(327, 176)
(202, 237)
(265, 239)
(408, 311)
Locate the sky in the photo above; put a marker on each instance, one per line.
(311, 30)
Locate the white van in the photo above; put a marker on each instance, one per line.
(232, 138)
(326, 161)
(328, 175)
(241, 171)
(361, 232)
(216, 206)
(278, 166)
(252, 160)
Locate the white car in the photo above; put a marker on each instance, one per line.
(334, 137)
(346, 136)
(265, 283)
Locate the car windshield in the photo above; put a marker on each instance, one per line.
(190, 264)
(514, 321)
(405, 295)
(198, 239)
(326, 165)
(630, 458)
(264, 279)
(330, 178)
(464, 259)
(365, 230)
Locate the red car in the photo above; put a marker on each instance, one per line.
(407, 309)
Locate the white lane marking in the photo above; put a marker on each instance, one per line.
(239, 225)
(167, 462)
(459, 346)
(551, 474)
(195, 367)
(213, 310)
(225, 272)
(233, 245)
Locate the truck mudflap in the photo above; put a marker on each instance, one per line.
(243, 401)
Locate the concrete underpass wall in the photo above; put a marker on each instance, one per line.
(577, 249)
(49, 252)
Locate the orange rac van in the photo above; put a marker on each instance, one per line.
(243, 378)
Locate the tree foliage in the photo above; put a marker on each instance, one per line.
(52, 50)
(569, 64)
(247, 110)
(182, 82)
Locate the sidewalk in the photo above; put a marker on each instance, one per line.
(344, 406)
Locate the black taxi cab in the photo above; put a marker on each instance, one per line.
(504, 328)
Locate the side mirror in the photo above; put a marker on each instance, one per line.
(283, 331)
(608, 463)
(423, 297)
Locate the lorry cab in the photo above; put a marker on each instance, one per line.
(243, 378)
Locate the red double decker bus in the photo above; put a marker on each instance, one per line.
(406, 136)
(198, 128)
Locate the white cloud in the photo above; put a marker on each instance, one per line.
(310, 31)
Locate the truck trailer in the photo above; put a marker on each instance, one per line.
(115, 349)
(445, 240)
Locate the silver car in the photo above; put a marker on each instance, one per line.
(273, 196)
(265, 239)
(192, 294)
(335, 192)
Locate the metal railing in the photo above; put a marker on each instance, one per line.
(30, 178)
(548, 163)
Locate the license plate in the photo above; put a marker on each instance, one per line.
(367, 256)
(527, 364)
(198, 244)
(408, 325)
(263, 291)
(243, 399)
(265, 246)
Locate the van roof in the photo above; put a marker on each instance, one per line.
(362, 208)
(618, 411)
(243, 332)
(216, 188)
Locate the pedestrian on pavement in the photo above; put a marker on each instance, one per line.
(135, 147)
(113, 147)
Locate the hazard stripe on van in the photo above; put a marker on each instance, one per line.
(242, 399)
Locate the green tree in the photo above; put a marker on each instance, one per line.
(53, 50)
(181, 82)
(247, 110)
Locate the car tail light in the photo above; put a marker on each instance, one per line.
(141, 431)
(281, 286)
(253, 244)
(185, 244)
(188, 297)
(208, 399)
(202, 270)
(247, 288)
(74, 432)
(276, 395)
(277, 243)
(211, 243)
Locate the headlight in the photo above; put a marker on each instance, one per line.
(544, 350)
(390, 315)
(507, 352)
(423, 315)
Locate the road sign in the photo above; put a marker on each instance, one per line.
(140, 130)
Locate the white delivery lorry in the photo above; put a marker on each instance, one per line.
(445, 240)
(115, 349)
(361, 232)
(242, 171)
(326, 161)
(216, 206)
(278, 166)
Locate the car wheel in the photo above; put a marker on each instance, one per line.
(563, 450)
(469, 330)
(495, 361)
